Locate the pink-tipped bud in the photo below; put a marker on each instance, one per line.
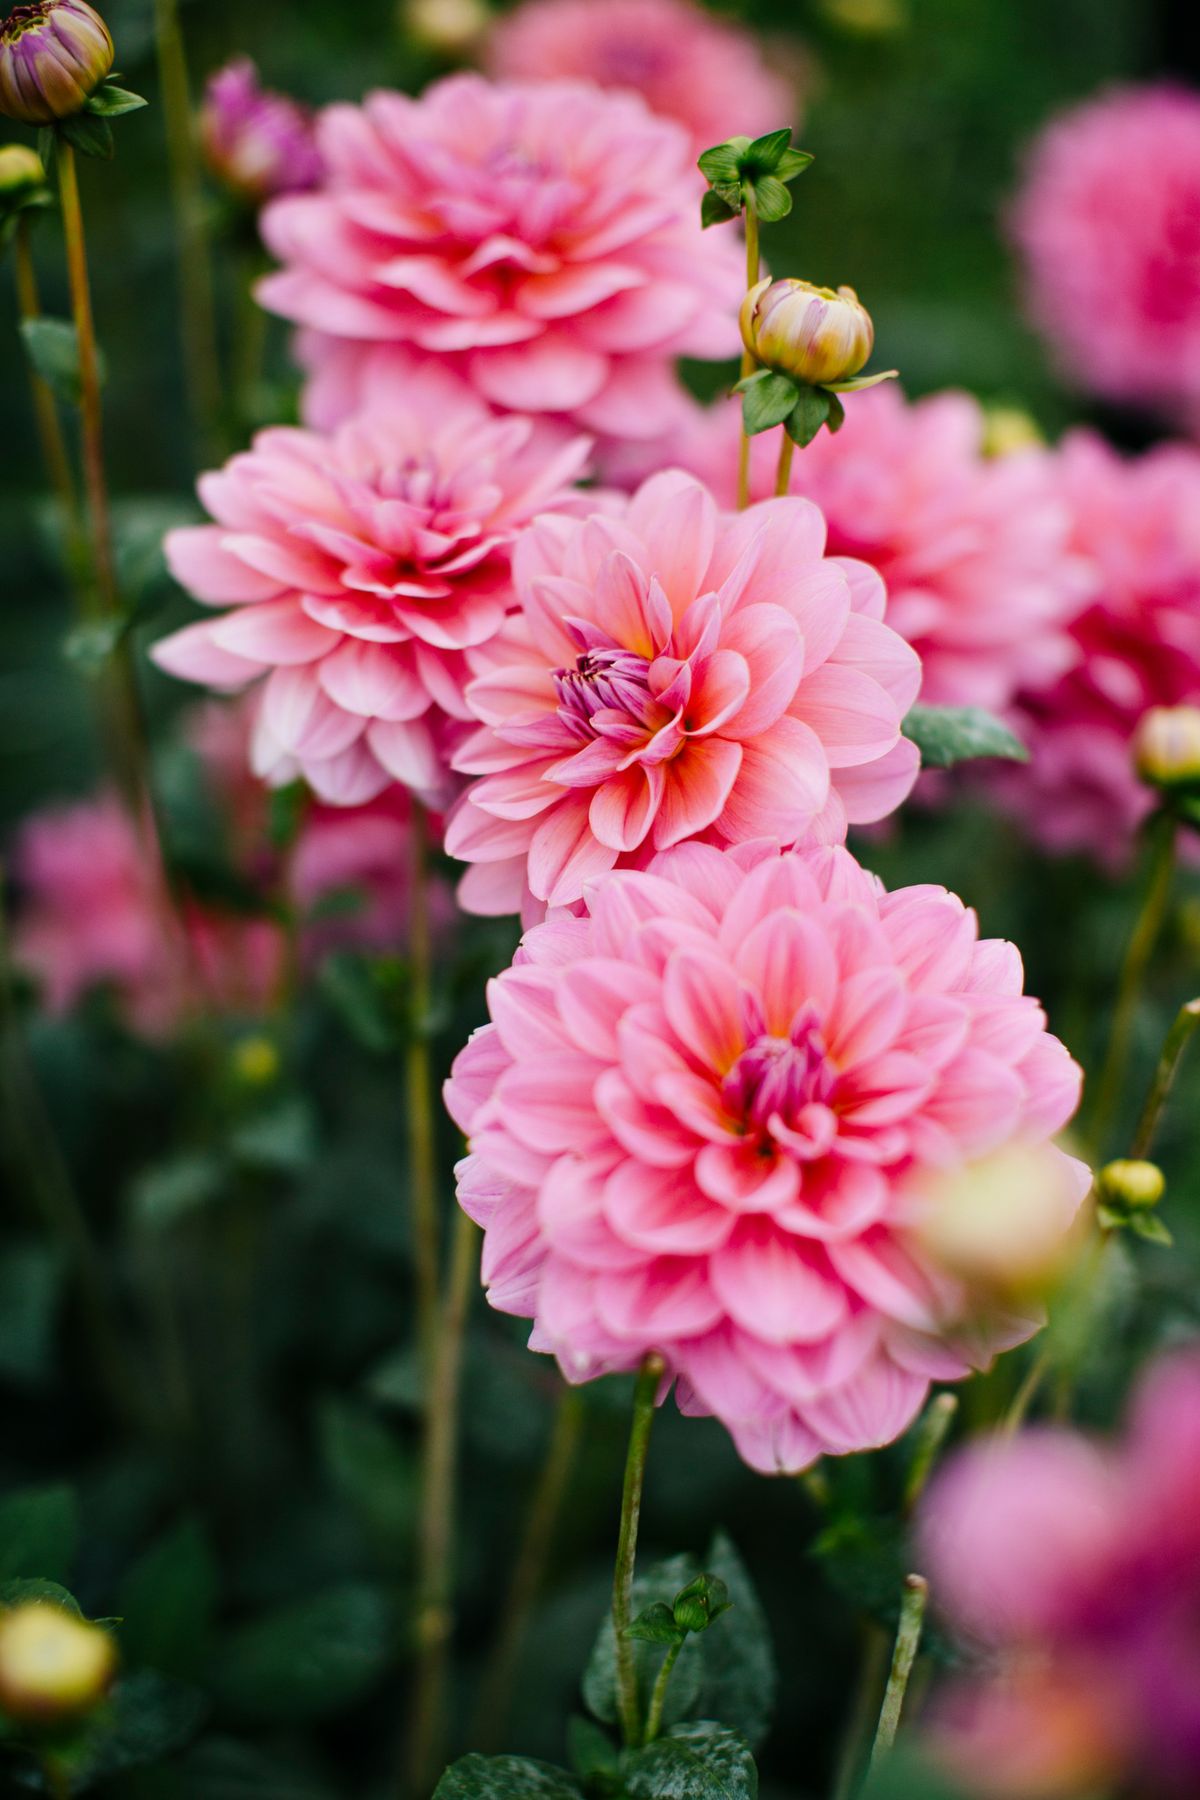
(53, 56)
(257, 143)
(1166, 746)
(54, 1666)
(810, 333)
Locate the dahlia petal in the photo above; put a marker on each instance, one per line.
(192, 655)
(351, 778)
(782, 782)
(788, 963)
(874, 1407)
(564, 853)
(769, 641)
(702, 999)
(595, 996)
(853, 717)
(407, 751)
(775, 1289)
(548, 1102)
(524, 1012)
(542, 376)
(667, 1297)
(739, 1178)
(676, 519)
(273, 632)
(374, 681)
(876, 790)
(199, 560)
(701, 782)
(651, 1210)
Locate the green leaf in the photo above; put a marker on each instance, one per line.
(716, 211)
(702, 1761)
(39, 1533)
(221, 1768)
(505, 1778)
(772, 201)
(53, 348)
(946, 735)
(767, 400)
(1148, 1225)
(281, 1138)
(31, 1287)
(167, 1602)
(370, 1467)
(149, 1717)
(286, 809)
(590, 1751)
(89, 135)
(657, 1625)
(906, 1775)
(309, 1659)
(808, 415)
(837, 413)
(110, 101)
(23, 1593)
(368, 995)
(172, 1190)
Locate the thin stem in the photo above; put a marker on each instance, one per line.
(1025, 1395)
(529, 1570)
(197, 304)
(95, 483)
(908, 1640)
(649, 1376)
(1187, 1019)
(420, 1094)
(863, 1713)
(783, 474)
(49, 427)
(749, 364)
(1145, 935)
(931, 1435)
(658, 1695)
(435, 1554)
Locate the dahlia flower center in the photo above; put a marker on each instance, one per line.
(604, 681)
(23, 19)
(778, 1077)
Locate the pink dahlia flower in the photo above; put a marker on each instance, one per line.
(699, 1124)
(708, 73)
(674, 671)
(1108, 224)
(544, 240)
(361, 573)
(1137, 525)
(256, 142)
(974, 551)
(1078, 1568)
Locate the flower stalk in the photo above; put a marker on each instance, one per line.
(49, 427)
(420, 1094)
(644, 1398)
(749, 363)
(1187, 1020)
(908, 1642)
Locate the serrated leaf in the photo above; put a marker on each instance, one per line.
(765, 151)
(39, 1533)
(656, 1625)
(52, 347)
(701, 1761)
(167, 1601)
(716, 211)
(110, 102)
(307, 1660)
(808, 415)
(767, 400)
(772, 201)
(946, 735)
(90, 135)
(505, 1778)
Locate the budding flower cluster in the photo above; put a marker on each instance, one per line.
(811, 333)
(54, 54)
(53, 1665)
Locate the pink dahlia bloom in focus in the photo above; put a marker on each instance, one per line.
(1076, 1567)
(708, 73)
(1137, 525)
(544, 240)
(360, 573)
(256, 142)
(699, 1124)
(1108, 224)
(674, 671)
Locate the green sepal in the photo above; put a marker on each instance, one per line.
(701, 1602)
(657, 1624)
(806, 418)
(766, 152)
(793, 163)
(946, 735)
(772, 201)
(857, 383)
(90, 135)
(723, 163)
(767, 400)
(110, 101)
(714, 210)
(837, 413)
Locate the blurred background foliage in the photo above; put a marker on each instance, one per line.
(252, 1521)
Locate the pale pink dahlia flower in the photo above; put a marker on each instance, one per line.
(675, 671)
(708, 73)
(974, 551)
(544, 240)
(1108, 224)
(361, 572)
(700, 1120)
(1077, 1567)
(1137, 525)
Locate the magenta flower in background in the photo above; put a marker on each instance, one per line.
(708, 73)
(673, 672)
(1108, 226)
(1077, 1568)
(542, 240)
(1136, 525)
(699, 1122)
(362, 573)
(256, 142)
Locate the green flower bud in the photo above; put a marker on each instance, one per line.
(53, 1665)
(810, 333)
(1129, 1183)
(1166, 746)
(54, 54)
(21, 174)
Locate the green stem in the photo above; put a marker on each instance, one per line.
(908, 1640)
(252, 326)
(783, 474)
(931, 1435)
(95, 483)
(649, 1376)
(420, 1094)
(659, 1694)
(1025, 1395)
(1145, 935)
(197, 303)
(529, 1570)
(863, 1713)
(49, 427)
(1187, 1019)
(749, 364)
(434, 1624)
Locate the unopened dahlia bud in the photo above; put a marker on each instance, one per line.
(1003, 1226)
(1166, 746)
(54, 54)
(451, 27)
(257, 143)
(21, 174)
(1130, 1183)
(1008, 429)
(53, 1665)
(810, 333)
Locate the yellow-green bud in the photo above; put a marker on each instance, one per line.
(451, 27)
(54, 54)
(53, 1665)
(1007, 1226)
(1129, 1183)
(255, 1061)
(810, 333)
(1166, 746)
(21, 173)
(1007, 429)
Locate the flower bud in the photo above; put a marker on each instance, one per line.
(53, 1664)
(807, 332)
(1005, 1226)
(256, 143)
(451, 27)
(1008, 429)
(21, 174)
(255, 1061)
(54, 54)
(1166, 746)
(1129, 1183)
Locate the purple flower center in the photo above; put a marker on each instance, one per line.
(25, 18)
(614, 681)
(779, 1076)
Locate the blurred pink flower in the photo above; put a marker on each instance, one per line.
(708, 73)
(543, 239)
(699, 1121)
(672, 672)
(363, 571)
(254, 141)
(974, 551)
(1108, 223)
(1078, 1568)
(91, 918)
(1136, 523)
